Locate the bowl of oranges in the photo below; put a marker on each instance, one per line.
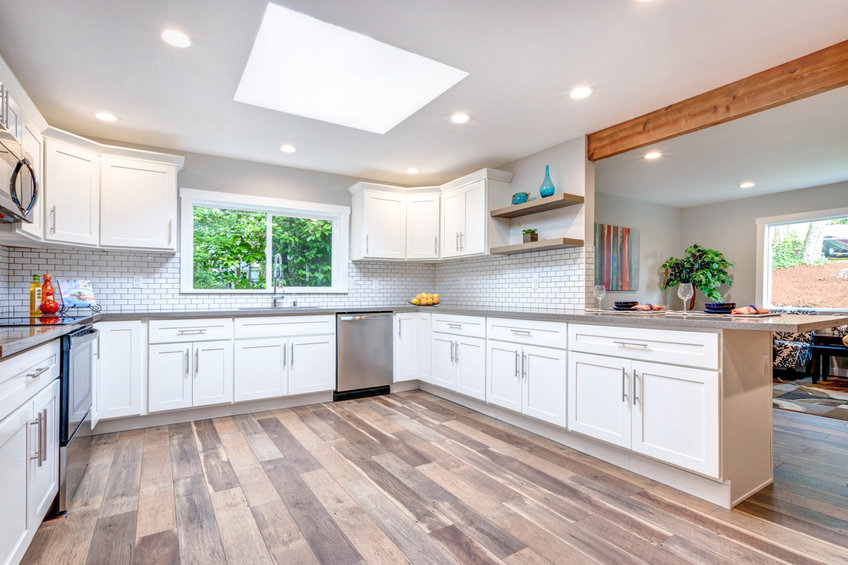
(425, 299)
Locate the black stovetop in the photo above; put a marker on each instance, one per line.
(27, 321)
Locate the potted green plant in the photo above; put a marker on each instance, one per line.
(705, 268)
(530, 235)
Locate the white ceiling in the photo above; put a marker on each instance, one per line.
(797, 145)
(76, 58)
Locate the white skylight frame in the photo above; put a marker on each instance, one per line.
(304, 66)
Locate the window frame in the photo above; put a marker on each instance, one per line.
(339, 215)
(763, 291)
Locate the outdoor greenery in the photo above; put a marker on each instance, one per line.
(306, 247)
(230, 250)
(705, 268)
(787, 251)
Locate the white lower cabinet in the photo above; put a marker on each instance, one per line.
(29, 466)
(412, 358)
(181, 375)
(459, 364)
(527, 379)
(663, 411)
(271, 367)
(119, 370)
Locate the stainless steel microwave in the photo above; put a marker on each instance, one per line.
(18, 182)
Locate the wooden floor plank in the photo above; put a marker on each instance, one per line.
(162, 548)
(113, 540)
(282, 536)
(240, 535)
(185, 460)
(197, 529)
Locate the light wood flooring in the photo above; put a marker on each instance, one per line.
(414, 478)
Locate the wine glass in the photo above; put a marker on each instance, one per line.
(599, 292)
(685, 292)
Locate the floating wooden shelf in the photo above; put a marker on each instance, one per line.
(542, 245)
(538, 205)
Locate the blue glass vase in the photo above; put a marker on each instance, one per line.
(547, 188)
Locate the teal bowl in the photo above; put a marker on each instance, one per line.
(520, 197)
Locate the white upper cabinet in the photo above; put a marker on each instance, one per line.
(33, 143)
(71, 194)
(383, 220)
(138, 203)
(466, 226)
(422, 226)
(453, 222)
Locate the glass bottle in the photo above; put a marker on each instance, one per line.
(547, 188)
(35, 296)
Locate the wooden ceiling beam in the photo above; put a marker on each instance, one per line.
(812, 74)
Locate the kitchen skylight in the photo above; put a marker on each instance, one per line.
(304, 66)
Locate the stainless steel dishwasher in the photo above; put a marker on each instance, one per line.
(364, 359)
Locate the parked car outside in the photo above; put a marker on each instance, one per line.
(835, 241)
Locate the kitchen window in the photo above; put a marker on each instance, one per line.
(229, 241)
(802, 261)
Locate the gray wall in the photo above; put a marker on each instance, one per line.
(730, 227)
(659, 238)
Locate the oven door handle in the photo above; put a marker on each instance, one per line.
(83, 336)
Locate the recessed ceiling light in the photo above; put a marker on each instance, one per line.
(106, 117)
(747, 184)
(304, 66)
(460, 118)
(176, 38)
(580, 92)
(287, 148)
(651, 155)
(412, 171)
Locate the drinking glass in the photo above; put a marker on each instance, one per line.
(685, 292)
(599, 292)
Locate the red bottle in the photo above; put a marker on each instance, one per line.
(48, 300)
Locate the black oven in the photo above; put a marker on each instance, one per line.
(74, 407)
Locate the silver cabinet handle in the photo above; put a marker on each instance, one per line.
(516, 362)
(37, 373)
(53, 219)
(186, 361)
(285, 356)
(192, 332)
(455, 326)
(400, 325)
(170, 223)
(435, 245)
(44, 435)
(631, 345)
(292, 354)
(39, 422)
(457, 241)
(456, 355)
(4, 107)
(521, 332)
(366, 244)
(461, 240)
(635, 388)
(623, 378)
(523, 365)
(451, 352)
(196, 361)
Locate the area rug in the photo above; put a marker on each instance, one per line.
(825, 398)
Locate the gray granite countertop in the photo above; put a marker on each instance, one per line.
(15, 340)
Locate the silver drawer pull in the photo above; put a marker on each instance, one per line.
(631, 345)
(455, 326)
(521, 332)
(37, 373)
(196, 331)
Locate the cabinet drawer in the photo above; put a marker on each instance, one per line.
(544, 334)
(695, 349)
(176, 331)
(25, 374)
(284, 326)
(471, 326)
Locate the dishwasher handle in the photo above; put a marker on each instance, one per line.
(362, 317)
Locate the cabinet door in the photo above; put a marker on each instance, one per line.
(16, 444)
(444, 368)
(169, 376)
(470, 357)
(675, 416)
(119, 383)
(72, 194)
(384, 225)
(33, 144)
(406, 347)
(213, 372)
(44, 474)
(312, 364)
(422, 226)
(472, 239)
(261, 368)
(599, 390)
(425, 348)
(503, 367)
(138, 203)
(453, 221)
(545, 372)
